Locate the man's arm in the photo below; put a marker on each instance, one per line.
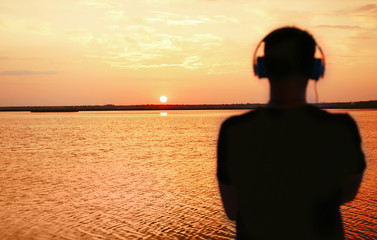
(351, 186)
(227, 191)
(229, 199)
(356, 160)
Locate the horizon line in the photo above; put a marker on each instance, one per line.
(176, 104)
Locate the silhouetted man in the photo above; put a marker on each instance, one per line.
(285, 169)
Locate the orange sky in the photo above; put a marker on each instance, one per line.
(193, 51)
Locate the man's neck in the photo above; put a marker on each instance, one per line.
(287, 93)
(289, 104)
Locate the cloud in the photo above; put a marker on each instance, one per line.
(138, 66)
(184, 20)
(27, 26)
(363, 9)
(177, 2)
(367, 7)
(339, 26)
(115, 15)
(157, 40)
(98, 3)
(26, 72)
(139, 47)
(80, 35)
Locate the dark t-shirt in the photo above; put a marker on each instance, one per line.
(287, 167)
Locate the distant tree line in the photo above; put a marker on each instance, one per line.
(111, 107)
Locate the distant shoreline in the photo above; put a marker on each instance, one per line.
(111, 107)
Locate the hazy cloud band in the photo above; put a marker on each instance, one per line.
(25, 72)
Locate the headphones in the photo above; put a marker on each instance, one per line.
(260, 70)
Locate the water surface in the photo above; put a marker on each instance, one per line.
(132, 175)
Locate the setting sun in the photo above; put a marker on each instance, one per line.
(163, 99)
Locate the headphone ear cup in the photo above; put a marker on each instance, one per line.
(318, 69)
(260, 67)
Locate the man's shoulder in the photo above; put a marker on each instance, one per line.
(337, 118)
(237, 119)
(312, 113)
(340, 123)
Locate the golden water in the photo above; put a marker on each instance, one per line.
(132, 175)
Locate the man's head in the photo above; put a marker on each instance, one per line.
(289, 52)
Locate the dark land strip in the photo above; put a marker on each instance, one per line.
(111, 107)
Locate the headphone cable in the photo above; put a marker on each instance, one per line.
(316, 92)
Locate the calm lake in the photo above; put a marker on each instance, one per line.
(133, 175)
